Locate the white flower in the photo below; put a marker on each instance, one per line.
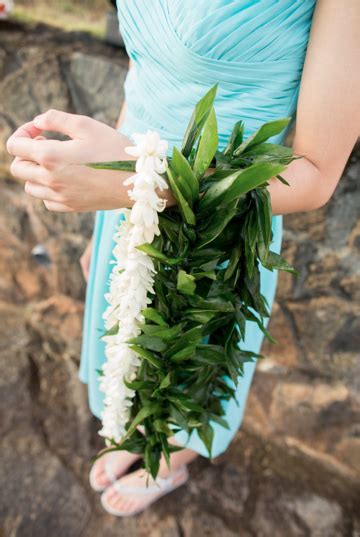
(131, 280)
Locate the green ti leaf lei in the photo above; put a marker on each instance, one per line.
(207, 283)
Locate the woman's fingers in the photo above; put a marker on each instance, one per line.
(58, 207)
(42, 192)
(46, 153)
(72, 125)
(28, 130)
(26, 170)
(30, 149)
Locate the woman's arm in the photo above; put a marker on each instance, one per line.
(327, 126)
(328, 110)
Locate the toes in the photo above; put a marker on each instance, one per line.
(110, 495)
(117, 501)
(100, 475)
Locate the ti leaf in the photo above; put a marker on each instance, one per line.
(185, 283)
(197, 120)
(153, 252)
(238, 183)
(147, 355)
(153, 315)
(207, 147)
(120, 165)
(235, 139)
(267, 130)
(184, 206)
(185, 174)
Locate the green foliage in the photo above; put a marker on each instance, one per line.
(207, 284)
(123, 165)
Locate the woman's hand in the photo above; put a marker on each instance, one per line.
(55, 172)
(85, 259)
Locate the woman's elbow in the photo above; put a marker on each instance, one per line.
(323, 192)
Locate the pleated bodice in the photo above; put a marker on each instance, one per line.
(255, 50)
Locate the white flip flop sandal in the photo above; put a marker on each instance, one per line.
(162, 486)
(109, 472)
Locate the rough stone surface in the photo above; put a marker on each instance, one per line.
(294, 467)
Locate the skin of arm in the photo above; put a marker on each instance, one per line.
(328, 109)
(55, 171)
(327, 127)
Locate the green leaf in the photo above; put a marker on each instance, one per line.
(215, 354)
(184, 402)
(199, 315)
(267, 130)
(283, 180)
(264, 214)
(216, 226)
(184, 354)
(276, 151)
(154, 315)
(206, 433)
(161, 427)
(264, 152)
(275, 261)
(207, 147)
(112, 331)
(193, 335)
(185, 283)
(233, 262)
(238, 183)
(179, 417)
(147, 342)
(205, 274)
(144, 413)
(165, 382)
(120, 165)
(236, 138)
(181, 184)
(152, 460)
(183, 205)
(185, 173)
(250, 234)
(216, 303)
(252, 317)
(153, 252)
(149, 356)
(139, 384)
(221, 421)
(169, 228)
(197, 120)
(135, 444)
(169, 333)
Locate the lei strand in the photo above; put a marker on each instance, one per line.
(131, 280)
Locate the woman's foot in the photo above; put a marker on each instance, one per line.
(134, 492)
(110, 467)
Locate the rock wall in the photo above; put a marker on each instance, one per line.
(294, 467)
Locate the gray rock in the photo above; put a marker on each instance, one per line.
(96, 86)
(293, 469)
(302, 516)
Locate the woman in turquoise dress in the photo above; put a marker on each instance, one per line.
(255, 50)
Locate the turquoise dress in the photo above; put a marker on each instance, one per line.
(255, 50)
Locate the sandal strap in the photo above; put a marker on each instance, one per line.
(161, 483)
(108, 466)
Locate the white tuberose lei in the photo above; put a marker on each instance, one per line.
(131, 280)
